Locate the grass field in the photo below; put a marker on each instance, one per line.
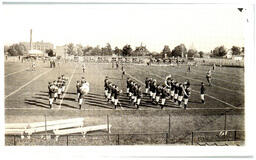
(26, 99)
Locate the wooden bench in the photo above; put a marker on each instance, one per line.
(30, 128)
(56, 122)
(16, 129)
(82, 130)
(19, 132)
(16, 125)
(54, 127)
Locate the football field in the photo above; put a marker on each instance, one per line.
(26, 98)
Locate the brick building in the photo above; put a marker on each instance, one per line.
(42, 46)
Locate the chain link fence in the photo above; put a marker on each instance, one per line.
(84, 140)
(196, 138)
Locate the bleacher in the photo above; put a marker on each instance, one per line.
(58, 127)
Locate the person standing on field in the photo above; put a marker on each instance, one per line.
(187, 92)
(83, 68)
(84, 90)
(176, 87)
(106, 87)
(163, 96)
(52, 90)
(123, 74)
(78, 85)
(180, 93)
(209, 77)
(213, 67)
(116, 92)
(139, 96)
(202, 91)
(146, 85)
(189, 68)
(158, 93)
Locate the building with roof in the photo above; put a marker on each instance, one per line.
(42, 46)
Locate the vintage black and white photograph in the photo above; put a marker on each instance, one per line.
(133, 74)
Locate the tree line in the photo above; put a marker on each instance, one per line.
(79, 50)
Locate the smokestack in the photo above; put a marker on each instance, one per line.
(31, 39)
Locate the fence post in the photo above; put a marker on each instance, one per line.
(235, 136)
(166, 138)
(14, 140)
(108, 125)
(67, 140)
(117, 139)
(225, 125)
(45, 126)
(108, 122)
(169, 129)
(192, 138)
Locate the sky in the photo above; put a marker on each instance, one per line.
(202, 27)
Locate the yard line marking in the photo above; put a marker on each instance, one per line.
(239, 84)
(191, 90)
(192, 72)
(216, 73)
(143, 109)
(27, 83)
(198, 81)
(212, 84)
(15, 72)
(220, 69)
(67, 87)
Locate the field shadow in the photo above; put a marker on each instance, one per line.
(109, 69)
(143, 104)
(95, 100)
(37, 103)
(196, 102)
(115, 78)
(95, 94)
(69, 99)
(69, 106)
(42, 98)
(43, 92)
(98, 104)
(96, 97)
(171, 106)
(70, 93)
(128, 106)
(46, 95)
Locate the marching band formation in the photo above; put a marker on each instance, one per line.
(82, 88)
(57, 89)
(158, 93)
(177, 92)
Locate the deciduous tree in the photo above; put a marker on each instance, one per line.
(71, 49)
(17, 50)
(127, 50)
(236, 50)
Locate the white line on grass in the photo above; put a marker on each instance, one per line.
(198, 81)
(219, 69)
(67, 87)
(212, 84)
(192, 90)
(15, 72)
(194, 72)
(123, 109)
(27, 83)
(238, 84)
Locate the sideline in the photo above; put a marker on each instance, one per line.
(15, 72)
(27, 83)
(67, 87)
